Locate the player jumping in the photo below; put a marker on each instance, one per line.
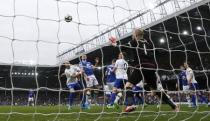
(72, 73)
(120, 69)
(90, 79)
(110, 78)
(144, 69)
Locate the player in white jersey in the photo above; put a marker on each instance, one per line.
(193, 84)
(190, 76)
(72, 73)
(120, 69)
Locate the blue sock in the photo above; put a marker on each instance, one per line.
(193, 100)
(136, 100)
(83, 98)
(112, 98)
(71, 98)
(108, 98)
(141, 100)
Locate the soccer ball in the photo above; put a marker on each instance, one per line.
(68, 18)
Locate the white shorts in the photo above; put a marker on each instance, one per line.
(108, 88)
(30, 99)
(92, 81)
(185, 88)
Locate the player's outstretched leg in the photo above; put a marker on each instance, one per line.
(153, 80)
(167, 100)
(129, 97)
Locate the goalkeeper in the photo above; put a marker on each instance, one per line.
(142, 53)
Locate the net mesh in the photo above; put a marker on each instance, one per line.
(178, 30)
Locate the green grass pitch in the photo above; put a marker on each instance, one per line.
(100, 113)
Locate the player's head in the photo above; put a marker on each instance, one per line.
(137, 34)
(121, 55)
(181, 67)
(97, 59)
(84, 57)
(186, 65)
(67, 64)
(113, 61)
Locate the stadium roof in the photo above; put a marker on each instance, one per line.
(145, 19)
(35, 31)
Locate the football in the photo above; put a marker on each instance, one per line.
(68, 18)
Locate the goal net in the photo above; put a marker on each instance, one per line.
(57, 57)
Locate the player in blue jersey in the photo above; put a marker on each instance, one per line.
(110, 78)
(89, 77)
(184, 83)
(72, 73)
(31, 98)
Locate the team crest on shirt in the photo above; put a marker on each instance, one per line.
(88, 65)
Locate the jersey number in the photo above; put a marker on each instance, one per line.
(125, 66)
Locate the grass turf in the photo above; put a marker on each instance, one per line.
(61, 113)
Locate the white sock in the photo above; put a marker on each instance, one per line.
(188, 101)
(119, 95)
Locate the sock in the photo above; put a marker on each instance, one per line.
(188, 100)
(119, 95)
(129, 96)
(95, 96)
(193, 100)
(71, 98)
(141, 100)
(83, 98)
(108, 96)
(112, 98)
(88, 98)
